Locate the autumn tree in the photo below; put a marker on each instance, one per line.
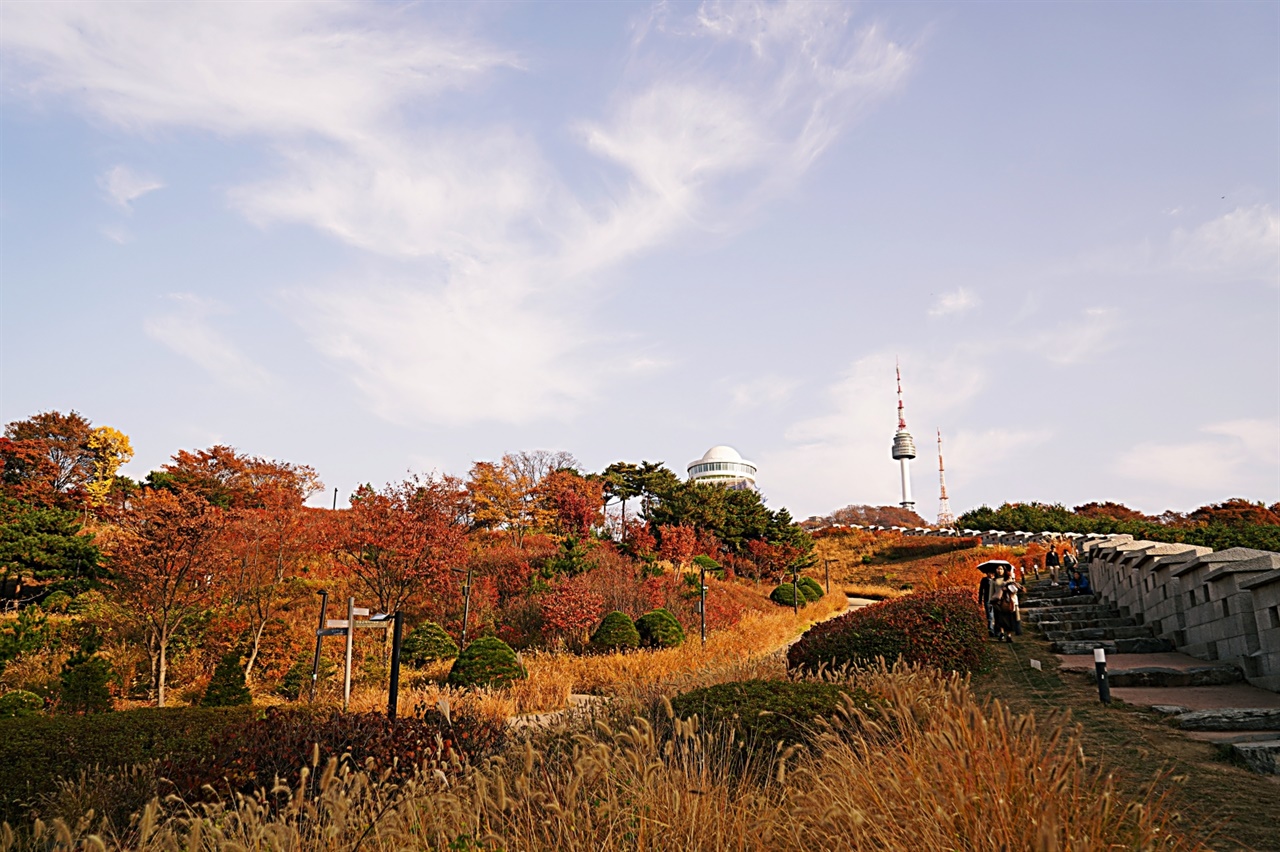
(506, 495)
(401, 543)
(876, 516)
(230, 479)
(574, 502)
(166, 559)
(56, 459)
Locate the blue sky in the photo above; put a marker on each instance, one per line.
(377, 238)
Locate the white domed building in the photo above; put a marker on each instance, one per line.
(723, 466)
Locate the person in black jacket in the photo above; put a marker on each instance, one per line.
(984, 596)
(1051, 564)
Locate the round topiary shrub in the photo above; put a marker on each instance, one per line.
(227, 687)
(19, 703)
(945, 629)
(56, 602)
(616, 632)
(767, 711)
(811, 589)
(659, 629)
(427, 643)
(488, 661)
(784, 594)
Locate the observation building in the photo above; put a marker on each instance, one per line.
(723, 466)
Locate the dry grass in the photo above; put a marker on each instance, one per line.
(937, 770)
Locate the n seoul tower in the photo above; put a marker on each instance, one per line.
(904, 448)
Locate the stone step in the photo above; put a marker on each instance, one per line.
(1262, 757)
(1113, 646)
(1081, 624)
(1036, 600)
(1166, 677)
(1128, 632)
(1073, 613)
(1230, 719)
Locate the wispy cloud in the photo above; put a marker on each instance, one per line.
(188, 331)
(956, 302)
(767, 390)
(124, 186)
(1235, 457)
(1084, 337)
(1242, 244)
(482, 250)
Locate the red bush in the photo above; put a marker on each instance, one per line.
(945, 629)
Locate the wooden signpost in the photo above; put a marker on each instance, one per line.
(347, 627)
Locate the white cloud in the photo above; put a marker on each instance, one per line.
(491, 247)
(956, 302)
(125, 186)
(1237, 457)
(187, 331)
(1242, 244)
(1081, 338)
(769, 389)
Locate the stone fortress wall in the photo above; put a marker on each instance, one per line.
(1221, 606)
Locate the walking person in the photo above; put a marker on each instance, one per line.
(1051, 564)
(984, 597)
(1005, 607)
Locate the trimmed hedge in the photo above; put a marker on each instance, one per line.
(19, 703)
(659, 629)
(811, 589)
(945, 629)
(36, 750)
(767, 711)
(784, 594)
(616, 632)
(427, 643)
(487, 661)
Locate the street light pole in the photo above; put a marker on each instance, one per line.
(702, 604)
(795, 589)
(315, 664)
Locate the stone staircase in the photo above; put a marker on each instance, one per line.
(1078, 624)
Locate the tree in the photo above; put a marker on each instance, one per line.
(110, 449)
(166, 557)
(47, 456)
(877, 516)
(402, 542)
(45, 543)
(230, 479)
(574, 501)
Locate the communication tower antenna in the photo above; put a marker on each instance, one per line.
(904, 447)
(945, 518)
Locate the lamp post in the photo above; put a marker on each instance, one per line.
(315, 664)
(795, 588)
(702, 603)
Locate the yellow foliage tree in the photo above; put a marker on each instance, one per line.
(111, 449)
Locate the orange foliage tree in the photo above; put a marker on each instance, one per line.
(166, 558)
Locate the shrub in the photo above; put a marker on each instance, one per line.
(784, 594)
(19, 703)
(945, 629)
(56, 602)
(253, 753)
(226, 687)
(83, 684)
(659, 629)
(36, 750)
(767, 711)
(616, 632)
(811, 589)
(427, 643)
(488, 661)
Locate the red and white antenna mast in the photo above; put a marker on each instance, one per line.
(945, 518)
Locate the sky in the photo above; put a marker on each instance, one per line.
(378, 238)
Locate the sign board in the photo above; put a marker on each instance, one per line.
(360, 610)
(340, 623)
(368, 624)
(332, 631)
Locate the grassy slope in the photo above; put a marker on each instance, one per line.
(1226, 805)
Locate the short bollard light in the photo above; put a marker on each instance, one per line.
(1100, 666)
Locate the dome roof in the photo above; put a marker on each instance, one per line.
(721, 453)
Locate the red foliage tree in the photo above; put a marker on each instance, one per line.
(575, 501)
(679, 544)
(1115, 511)
(167, 558)
(400, 544)
(771, 560)
(570, 608)
(47, 459)
(231, 479)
